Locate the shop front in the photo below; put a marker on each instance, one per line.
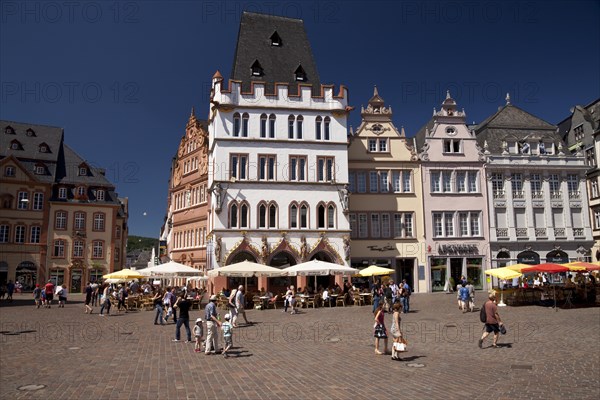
(26, 275)
(448, 271)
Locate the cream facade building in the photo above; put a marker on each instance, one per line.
(277, 155)
(386, 205)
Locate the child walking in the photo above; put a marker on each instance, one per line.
(227, 334)
(198, 333)
(37, 294)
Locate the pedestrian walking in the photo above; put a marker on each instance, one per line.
(105, 300)
(471, 296)
(95, 294)
(376, 291)
(379, 330)
(198, 334)
(240, 306)
(49, 289)
(212, 321)
(158, 307)
(37, 295)
(61, 292)
(493, 323)
(89, 292)
(396, 332)
(184, 305)
(231, 306)
(463, 293)
(227, 335)
(10, 289)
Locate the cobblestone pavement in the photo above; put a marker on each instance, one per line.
(325, 353)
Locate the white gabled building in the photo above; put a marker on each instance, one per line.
(278, 164)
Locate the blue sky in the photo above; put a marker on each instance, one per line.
(121, 76)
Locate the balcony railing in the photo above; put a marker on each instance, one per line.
(578, 232)
(575, 195)
(521, 232)
(540, 232)
(537, 194)
(499, 194)
(559, 232)
(501, 232)
(556, 195)
(518, 194)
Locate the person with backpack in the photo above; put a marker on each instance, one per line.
(464, 297)
(490, 317)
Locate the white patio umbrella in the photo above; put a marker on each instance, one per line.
(245, 269)
(171, 268)
(318, 268)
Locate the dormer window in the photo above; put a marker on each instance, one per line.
(16, 145)
(256, 69)
(62, 193)
(40, 169)
(81, 191)
(275, 39)
(30, 132)
(44, 148)
(9, 130)
(300, 74)
(83, 171)
(100, 195)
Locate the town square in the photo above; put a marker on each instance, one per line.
(369, 199)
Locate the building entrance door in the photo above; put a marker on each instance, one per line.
(456, 268)
(76, 276)
(405, 270)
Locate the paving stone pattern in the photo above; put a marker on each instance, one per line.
(325, 353)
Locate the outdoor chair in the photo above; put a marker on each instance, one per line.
(312, 301)
(357, 299)
(341, 299)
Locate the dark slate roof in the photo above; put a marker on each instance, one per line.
(278, 63)
(30, 155)
(512, 123)
(69, 171)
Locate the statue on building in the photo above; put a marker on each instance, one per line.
(265, 248)
(217, 194)
(218, 248)
(303, 249)
(346, 248)
(345, 196)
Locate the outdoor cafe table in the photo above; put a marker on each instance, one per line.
(366, 297)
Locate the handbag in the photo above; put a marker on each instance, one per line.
(399, 346)
(503, 329)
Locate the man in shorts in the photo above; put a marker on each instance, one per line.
(49, 289)
(492, 322)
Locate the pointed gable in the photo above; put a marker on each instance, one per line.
(281, 47)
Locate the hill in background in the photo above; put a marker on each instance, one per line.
(141, 243)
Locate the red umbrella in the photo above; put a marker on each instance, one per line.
(547, 267)
(550, 268)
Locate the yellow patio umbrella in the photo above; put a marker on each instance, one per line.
(373, 270)
(575, 266)
(504, 273)
(124, 274)
(518, 267)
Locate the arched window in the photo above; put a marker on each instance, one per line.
(233, 216)
(331, 217)
(303, 216)
(321, 216)
(272, 216)
(291, 127)
(263, 126)
(293, 216)
(245, 125)
(272, 126)
(244, 216)
(236, 124)
(318, 123)
(262, 216)
(326, 133)
(299, 122)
